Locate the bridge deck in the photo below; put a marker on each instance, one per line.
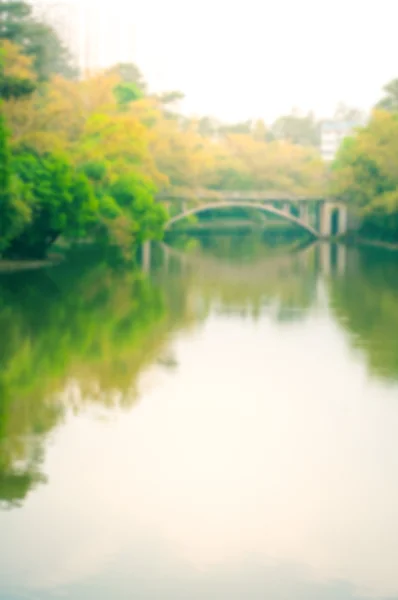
(230, 196)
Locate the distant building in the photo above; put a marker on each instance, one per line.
(332, 135)
(65, 19)
(97, 35)
(77, 26)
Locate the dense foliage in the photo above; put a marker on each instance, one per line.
(71, 179)
(37, 40)
(365, 175)
(84, 157)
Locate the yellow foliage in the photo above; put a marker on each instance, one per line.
(29, 125)
(16, 64)
(146, 110)
(70, 103)
(120, 140)
(84, 119)
(187, 157)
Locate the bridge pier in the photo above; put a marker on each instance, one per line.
(304, 213)
(146, 256)
(325, 220)
(166, 258)
(333, 219)
(343, 220)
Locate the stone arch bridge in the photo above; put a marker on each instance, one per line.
(320, 217)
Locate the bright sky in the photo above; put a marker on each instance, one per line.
(258, 58)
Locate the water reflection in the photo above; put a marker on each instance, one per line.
(365, 303)
(261, 458)
(235, 279)
(75, 322)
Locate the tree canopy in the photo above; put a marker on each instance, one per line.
(364, 174)
(36, 39)
(390, 100)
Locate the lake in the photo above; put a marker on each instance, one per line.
(223, 426)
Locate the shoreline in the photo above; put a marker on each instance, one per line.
(391, 247)
(11, 266)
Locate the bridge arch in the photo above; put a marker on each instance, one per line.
(268, 208)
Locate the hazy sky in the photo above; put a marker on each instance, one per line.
(260, 57)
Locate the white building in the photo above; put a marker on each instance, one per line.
(332, 135)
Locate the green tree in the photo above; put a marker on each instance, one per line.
(16, 77)
(208, 126)
(13, 16)
(126, 93)
(171, 97)
(135, 195)
(301, 130)
(51, 56)
(5, 169)
(129, 73)
(364, 174)
(244, 127)
(14, 83)
(5, 179)
(390, 100)
(60, 200)
(37, 39)
(347, 113)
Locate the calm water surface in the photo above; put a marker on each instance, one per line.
(225, 428)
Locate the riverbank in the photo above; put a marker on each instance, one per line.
(55, 258)
(7, 266)
(372, 243)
